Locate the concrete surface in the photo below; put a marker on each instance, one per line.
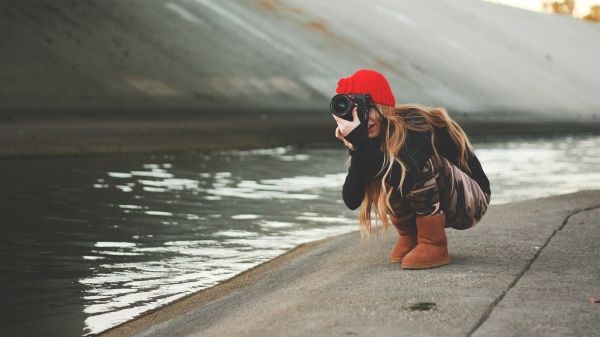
(153, 131)
(528, 269)
(151, 75)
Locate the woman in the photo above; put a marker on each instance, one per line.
(414, 166)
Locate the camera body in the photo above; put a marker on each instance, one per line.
(342, 104)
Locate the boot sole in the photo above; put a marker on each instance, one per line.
(396, 260)
(427, 266)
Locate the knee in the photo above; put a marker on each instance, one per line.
(426, 202)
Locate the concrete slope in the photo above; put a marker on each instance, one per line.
(470, 56)
(528, 269)
(72, 65)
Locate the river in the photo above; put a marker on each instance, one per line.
(91, 242)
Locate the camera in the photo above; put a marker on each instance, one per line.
(341, 105)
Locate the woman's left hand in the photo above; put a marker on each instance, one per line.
(339, 136)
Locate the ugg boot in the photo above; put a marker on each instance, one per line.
(407, 230)
(432, 247)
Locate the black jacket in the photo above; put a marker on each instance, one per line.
(367, 160)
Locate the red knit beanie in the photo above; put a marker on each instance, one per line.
(366, 81)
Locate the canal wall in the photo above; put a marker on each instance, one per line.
(129, 76)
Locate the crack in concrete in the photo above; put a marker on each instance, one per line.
(493, 305)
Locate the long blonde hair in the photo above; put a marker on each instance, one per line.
(377, 191)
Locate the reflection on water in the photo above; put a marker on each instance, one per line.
(91, 242)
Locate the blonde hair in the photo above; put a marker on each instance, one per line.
(377, 191)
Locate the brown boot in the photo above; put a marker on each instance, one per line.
(432, 248)
(407, 230)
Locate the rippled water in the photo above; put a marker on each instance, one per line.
(88, 243)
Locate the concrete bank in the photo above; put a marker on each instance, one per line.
(123, 132)
(528, 269)
(126, 131)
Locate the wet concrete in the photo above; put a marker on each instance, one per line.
(200, 74)
(529, 268)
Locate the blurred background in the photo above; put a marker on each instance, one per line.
(151, 149)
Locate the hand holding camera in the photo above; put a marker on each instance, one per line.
(339, 136)
(346, 126)
(349, 111)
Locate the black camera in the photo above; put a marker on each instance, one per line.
(341, 105)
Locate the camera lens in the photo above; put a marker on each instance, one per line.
(340, 105)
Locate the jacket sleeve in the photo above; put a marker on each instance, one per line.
(478, 174)
(448, 149)
(414, 154)
(353, 191)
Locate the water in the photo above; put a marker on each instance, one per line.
(88, 243)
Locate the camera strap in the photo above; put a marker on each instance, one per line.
(383, 119)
